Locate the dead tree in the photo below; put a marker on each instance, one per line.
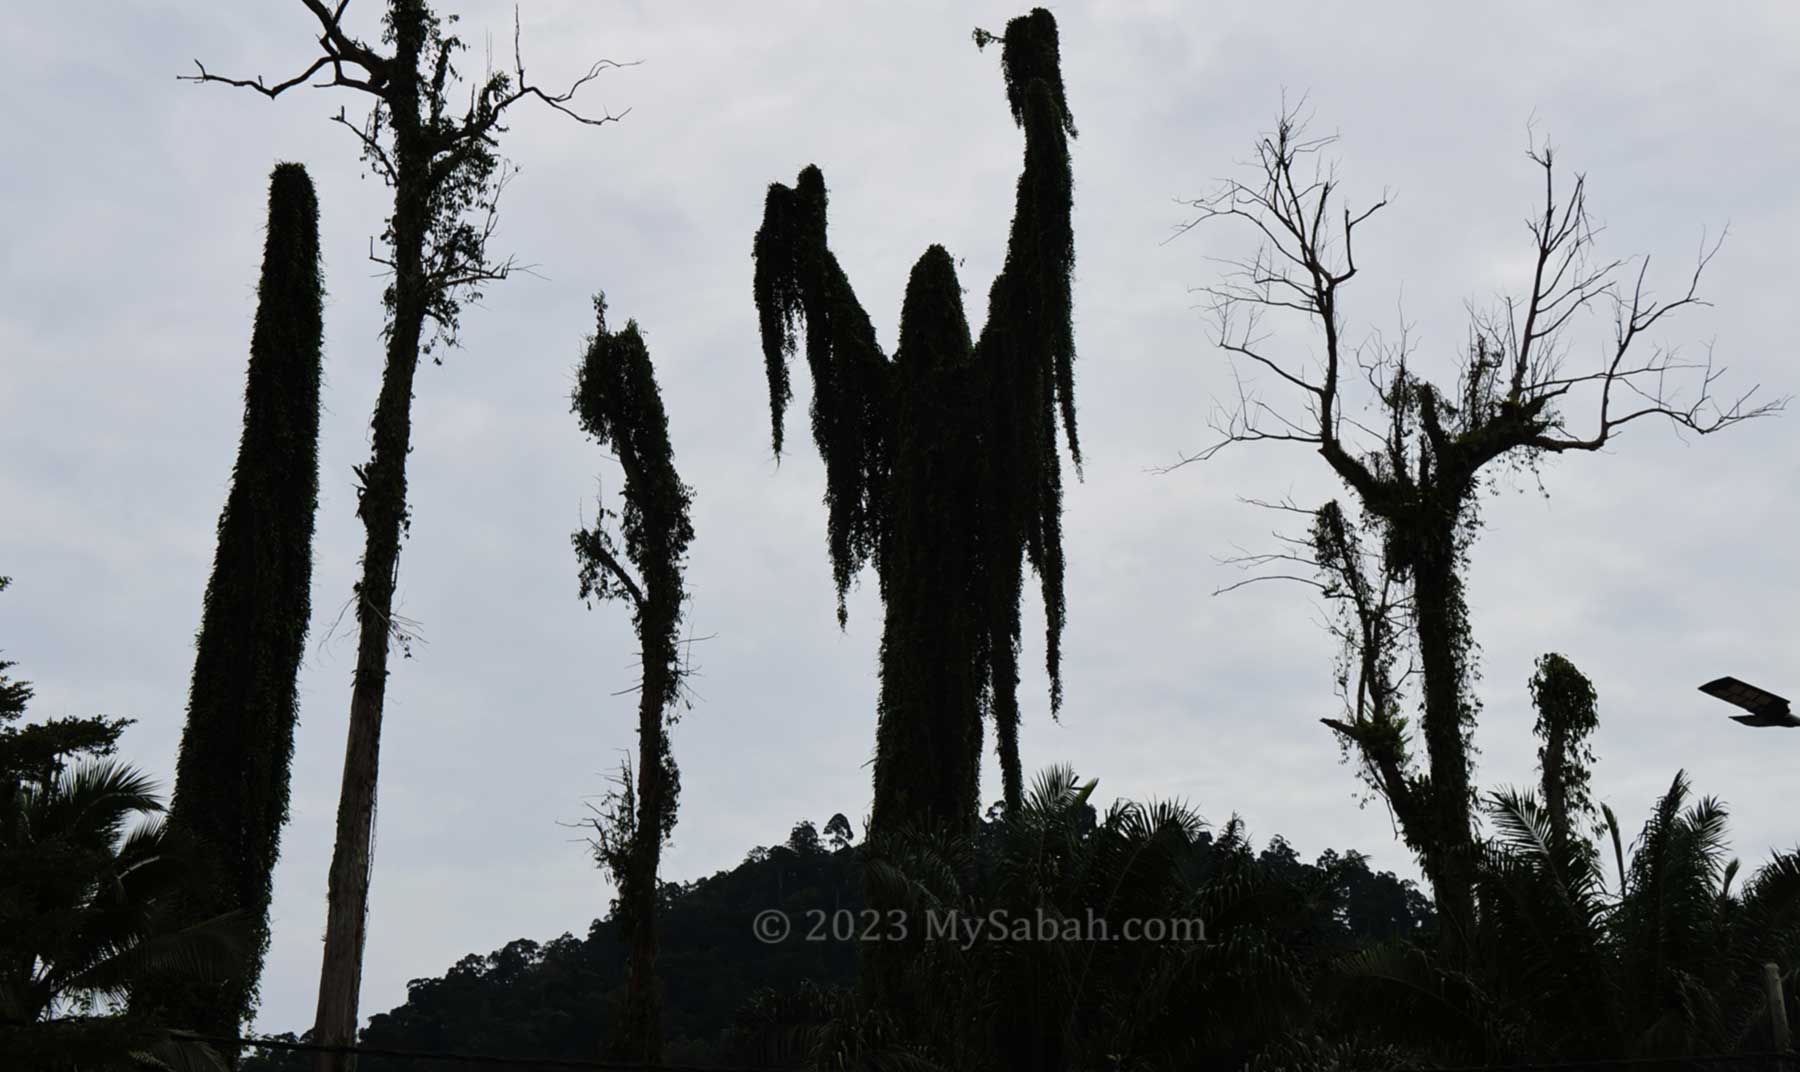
(441, 162)
(1416, 472)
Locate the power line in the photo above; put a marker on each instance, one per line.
(1784, 1058)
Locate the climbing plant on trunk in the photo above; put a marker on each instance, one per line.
(1415, 469)
(440, 159)
(618, 404)
(1565, 701)
(941, 464)
(231, 779)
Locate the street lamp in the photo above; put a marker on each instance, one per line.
(1766, 708)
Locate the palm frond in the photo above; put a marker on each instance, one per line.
(1612, 828)
(1401, 991)
(214, 949)
(89, 803)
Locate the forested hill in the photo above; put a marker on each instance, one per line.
(551, 999)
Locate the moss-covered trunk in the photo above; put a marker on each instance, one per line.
(619, 405)
(1447, 842)
(933, 640)
(231, 778)
(639, 1036)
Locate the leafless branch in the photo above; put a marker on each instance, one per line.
(495, 98)
(340, 52)
(368, 136)
(1510, 387)
(257, 83)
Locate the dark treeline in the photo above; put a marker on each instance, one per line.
(947, 938)
(728, 996)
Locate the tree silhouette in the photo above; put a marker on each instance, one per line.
(941, 464)
(839, 833)
(88, 897)
(1416, 472)
(1666, 963)
(1074, 996)
(1565, 699)
(88, 900)
(231, 778)
(618, 403)
(446, 177)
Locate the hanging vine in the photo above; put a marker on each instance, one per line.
(941, 464)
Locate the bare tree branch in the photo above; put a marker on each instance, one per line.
(1510, 386)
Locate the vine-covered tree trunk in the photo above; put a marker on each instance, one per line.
(381, 504)
(231, 778)
(1422, 546)
(619, 405)
(934, 638)
(1565, 701)
(639, 1034)
(1442, 624)
(942, 465)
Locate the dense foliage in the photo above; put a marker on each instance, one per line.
(1052, 971)
(730, 998)
(1583, 953)
(1665, 959)
(89, 879)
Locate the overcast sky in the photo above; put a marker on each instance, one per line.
(127, 281)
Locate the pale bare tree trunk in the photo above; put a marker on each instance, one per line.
(382, 506)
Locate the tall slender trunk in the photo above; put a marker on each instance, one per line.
(1556, 784)
(618, 403)
(640, 1037)
(237, 747)
(382, 507)
(1443, 659)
